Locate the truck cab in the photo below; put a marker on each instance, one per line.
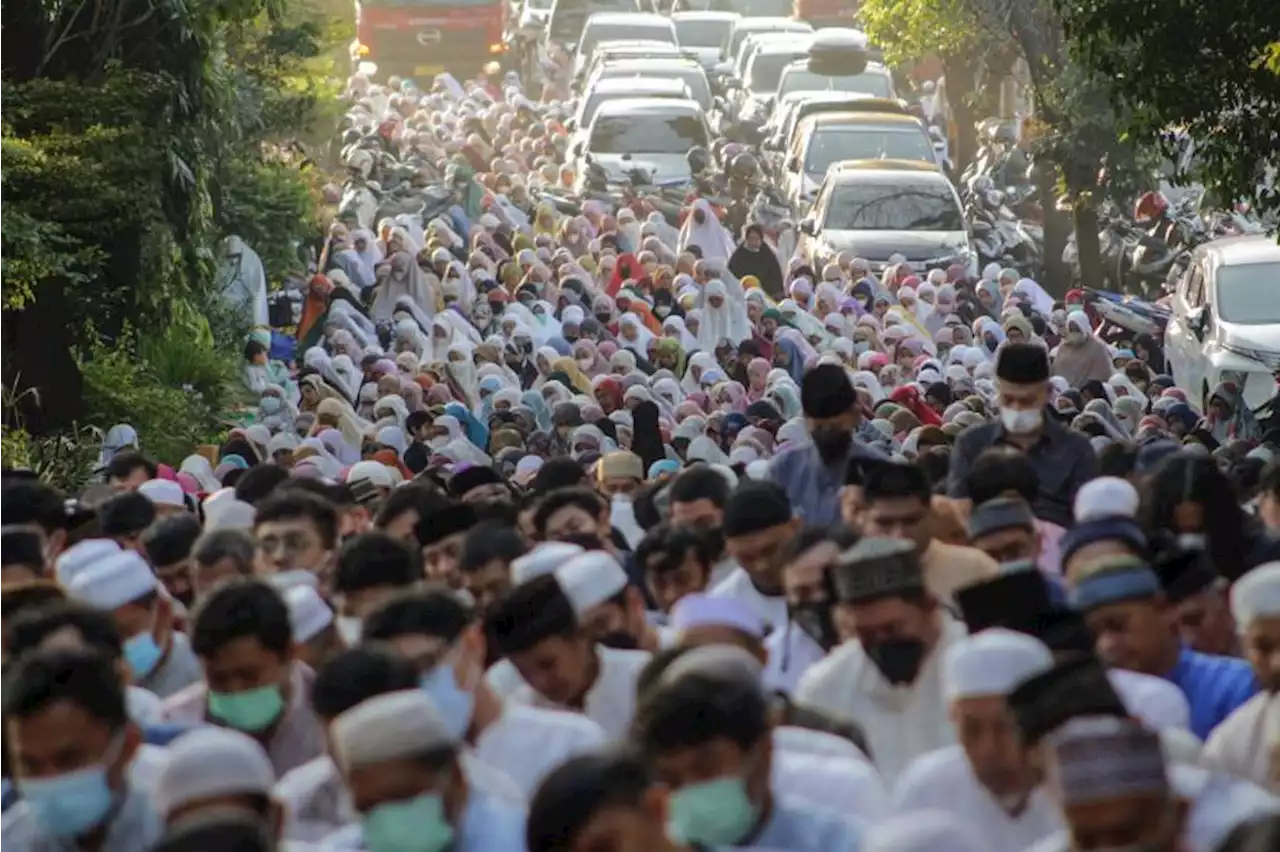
(423, 38)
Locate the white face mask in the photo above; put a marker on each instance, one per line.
(1021, 421)
(1192, 541)
(1075, 336)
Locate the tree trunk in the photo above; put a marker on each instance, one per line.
(39, 369)
(959, 73)
(1086, 222)
(1057, 230)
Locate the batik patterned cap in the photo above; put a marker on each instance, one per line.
(1096, 758)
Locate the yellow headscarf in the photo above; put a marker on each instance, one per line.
(570, 368)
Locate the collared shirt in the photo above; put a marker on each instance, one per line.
(801, 828)
(297, 738)
(1215, 686)
(527, 742)
(900, 722)
(135, 827)
(791, 652)
(1063, 461)
(812, 485)
(948, 567)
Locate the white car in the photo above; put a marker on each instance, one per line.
(654, 134)
(703, 34)
(688, 71)
(611, 26)
(1226, 320)
(874, 81)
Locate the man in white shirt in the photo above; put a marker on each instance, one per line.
(536, 627)
(986, 782)
(697, 499)
(758, 522)
(436, 632)
(887, 677)
(1247, 744)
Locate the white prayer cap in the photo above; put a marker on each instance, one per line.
(80, 556)
(922, 831)
(115, 581)
(388, 727)
(212, 761)
(230, 514)
(308, 612)
(217, 497)
(992, 662)
(163, 492)
(1106, 497)
(1256, 595)
(376, 472)
(282, 441)
(590, 579)
(758, 470)
(702, 610)
(543, 559)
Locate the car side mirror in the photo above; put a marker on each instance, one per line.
(1199, 322)
(793, 164)
(809, 227)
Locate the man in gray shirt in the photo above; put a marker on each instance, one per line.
(813, 473)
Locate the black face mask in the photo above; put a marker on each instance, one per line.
(497, 308)
(769, 333)
(618, 639)
(814, 618)
(899, 660)
(832, 443)
(603, 318)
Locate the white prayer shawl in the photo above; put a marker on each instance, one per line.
(1247, 743)
(640, 343)
(704, 361)
(727, 322)
(709, 236)
(943, 780)
(902, 723)
(687, 341)
(611, 700)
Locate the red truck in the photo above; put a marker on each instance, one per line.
(422, 38)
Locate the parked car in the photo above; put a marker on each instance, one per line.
(1226, 320)
(654, 134)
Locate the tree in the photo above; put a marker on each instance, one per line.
(1209, 71)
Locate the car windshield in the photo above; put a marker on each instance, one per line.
(696, 33)
(1247, 293)
(409, 4)
(740, 34)
(597, 33)
(903, 206)
(595, 101)
(568, 16)
(694, 78)
(647, 134)
(874, 83)
(834, 144)
(753, 8)
(766, 69)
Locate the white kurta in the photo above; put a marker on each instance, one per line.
(527, 742)
(1247, 744)
(791, 653)
(611, 700)
(771, 608)
(848, 787)
(943, 780)
(900, 723)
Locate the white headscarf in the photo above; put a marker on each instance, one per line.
(710, 236)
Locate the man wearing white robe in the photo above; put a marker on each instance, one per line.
(888, 677)
(986, 782)
(1247, 744)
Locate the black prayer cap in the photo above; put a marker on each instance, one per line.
(827, 392)
(888, 480)
(1022, 363)
(1183, 573)
(1080, 687)
(859, 469)
(444, 522)
(1000, 513)
(755, 506)
(1020, 601)
(473, 477)
(877, 568)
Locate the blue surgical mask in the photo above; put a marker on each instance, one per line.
(74, 803)
(454, 703)
(714, 813)
(412, 825)
(143, 654)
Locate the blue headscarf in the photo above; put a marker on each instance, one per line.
(561, 346)
(477, 433)
(541, 412)
(796, 365)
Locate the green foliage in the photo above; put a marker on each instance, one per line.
(910, 29)
(63, 460)
(1209, 71)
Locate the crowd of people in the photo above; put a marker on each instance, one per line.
(596, 534)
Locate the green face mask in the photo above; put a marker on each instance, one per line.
(413, 825)
(716, 813)
(252, 710)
